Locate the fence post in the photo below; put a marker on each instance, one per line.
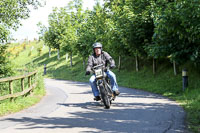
(11, 89)
(11, 95)
(34, 77)
(29, 83)
(22, 84)
(45, 69)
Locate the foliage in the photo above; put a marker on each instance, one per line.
(64, 24)
(176, 31)
(133, 25)
(11, 13)
(91, 30)
(149, 28)
(5, 67)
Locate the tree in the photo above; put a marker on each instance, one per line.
(85, 37)
(133, 24)
(177, 31)
(91, 30)
(11, 13)
(5, 67)
(72, 16)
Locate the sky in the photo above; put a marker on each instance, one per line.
(29, 26)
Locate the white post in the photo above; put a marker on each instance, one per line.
(174, 65)
(49, 52)
(58, 54)
(119, 63)
(71, 60)
(66, 57)
(136, 63)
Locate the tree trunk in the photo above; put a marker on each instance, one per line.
(154, 66)
(71, 63)
(119, 63)
(84, 63)
(58, 54)
(66, 57)
(49, 52)
(137, 63)
(174, 66)
(43, 46)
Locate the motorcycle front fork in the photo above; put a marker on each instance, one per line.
(107, 88)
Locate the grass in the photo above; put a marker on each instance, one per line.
(163, 82)
(22, 102)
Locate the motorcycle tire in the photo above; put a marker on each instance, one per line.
(104, 97)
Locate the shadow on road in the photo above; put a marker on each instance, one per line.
(130, 117)
(124, 116)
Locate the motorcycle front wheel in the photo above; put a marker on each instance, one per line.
(104, 96)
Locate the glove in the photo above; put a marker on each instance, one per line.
(112, 66)
(87, 73)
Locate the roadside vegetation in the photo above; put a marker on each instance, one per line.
(22, 64)
(22, 102)
(12, 13)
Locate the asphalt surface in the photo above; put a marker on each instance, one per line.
(69, 107)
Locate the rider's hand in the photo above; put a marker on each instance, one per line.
(87, 73)
(112, 66)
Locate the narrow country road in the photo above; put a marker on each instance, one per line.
(68, 107)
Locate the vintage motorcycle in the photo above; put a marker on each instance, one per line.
(103, 84)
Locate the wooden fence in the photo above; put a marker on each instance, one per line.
(24, 91)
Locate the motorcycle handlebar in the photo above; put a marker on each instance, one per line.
(97, 66)
(100, 65)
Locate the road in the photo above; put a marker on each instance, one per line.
(68, 107)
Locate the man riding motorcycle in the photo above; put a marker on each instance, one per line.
(101, 57)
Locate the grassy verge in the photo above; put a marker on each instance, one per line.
(22, 102)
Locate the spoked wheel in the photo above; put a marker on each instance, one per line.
(104, 97)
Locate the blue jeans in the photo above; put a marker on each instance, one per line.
(112, 78)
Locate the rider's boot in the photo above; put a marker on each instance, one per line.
(116, 92)
(97, 98)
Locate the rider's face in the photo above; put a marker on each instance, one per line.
(97, 51)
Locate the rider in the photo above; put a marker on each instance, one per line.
(101, 57)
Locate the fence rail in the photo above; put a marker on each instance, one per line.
(24, 91)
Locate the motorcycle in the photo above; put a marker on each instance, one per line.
(103, 84)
